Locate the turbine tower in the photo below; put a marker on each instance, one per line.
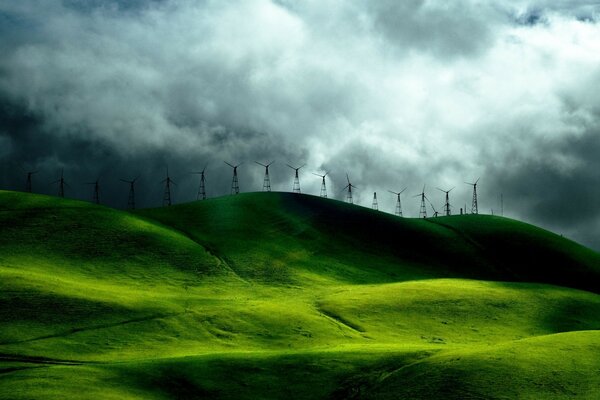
(447, 206)
(235, 186)
(296, 187)
(167, 194)
(131, 197)
(375, 204)
(267, 180)
(61, 184)
(398, 210)
(96, 192)
(349, 193)
(423, 209)
(474, 208)
(202, 187)
(323, 186)
(28, 184)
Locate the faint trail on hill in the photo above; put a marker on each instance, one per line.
(207, 248)
(89, 328)
(340, 320)
(37, 360)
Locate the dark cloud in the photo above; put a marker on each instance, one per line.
(445, 29)
(111, 5)
(393, 93)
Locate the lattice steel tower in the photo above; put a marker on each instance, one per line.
(447, 206)
(349, 186)
(235, 186)
(323, 186)
(398, 210)
(61, 184)
(474, 206)
(96, 191)
(296, 186)
(423, 209)
(28, 182)
(131, 196)
(167, 193)
(202, 187)
(267, 179)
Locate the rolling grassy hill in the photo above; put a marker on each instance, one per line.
(271, 295)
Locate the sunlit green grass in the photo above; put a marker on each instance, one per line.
(272, 295)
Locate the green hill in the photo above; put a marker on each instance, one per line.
(271, 295)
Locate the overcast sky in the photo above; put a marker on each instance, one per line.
(394, 93)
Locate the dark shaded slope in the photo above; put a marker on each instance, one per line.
(528, 253)
(274, 235)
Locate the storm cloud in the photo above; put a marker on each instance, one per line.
(393, 93)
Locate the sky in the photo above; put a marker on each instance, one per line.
(394, 94)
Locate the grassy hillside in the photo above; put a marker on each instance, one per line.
(326, 239)
(271, 295)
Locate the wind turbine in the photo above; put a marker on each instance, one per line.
(131, 197)
(447, 205)
(235, 187)
(96, 192)
(267, 179)
(296, 187)
(398, 211)
(61, 184)
(202, 187)
(375, 204)
(423, 210)
(28, 183)
(167, 194)
(323, 186)
(474, 207)
(349, 186)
